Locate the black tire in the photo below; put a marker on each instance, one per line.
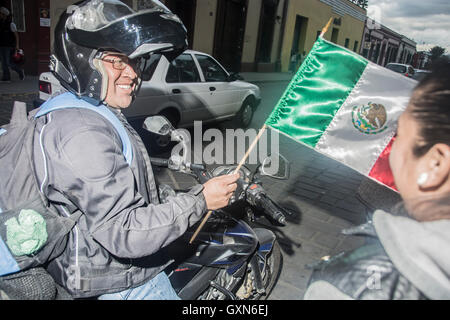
(270, 276)
(274, 262)
(245, 115)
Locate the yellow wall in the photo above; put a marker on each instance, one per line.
(318, 14)
(205, 22)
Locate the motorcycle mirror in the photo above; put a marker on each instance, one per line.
(158, 124)
(275, 166)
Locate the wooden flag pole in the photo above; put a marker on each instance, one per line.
(252, 146)
(250, 149)
(261, 131)
(325, 29)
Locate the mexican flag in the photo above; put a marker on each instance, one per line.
(344, 107)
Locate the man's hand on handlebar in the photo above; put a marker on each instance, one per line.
(218, 190)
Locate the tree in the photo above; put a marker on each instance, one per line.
(436, 52)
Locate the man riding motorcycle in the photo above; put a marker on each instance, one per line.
(114, 251)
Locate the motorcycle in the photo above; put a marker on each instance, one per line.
(229, 259)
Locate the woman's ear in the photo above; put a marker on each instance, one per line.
(436, 166)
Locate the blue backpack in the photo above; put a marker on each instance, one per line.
(32, 232)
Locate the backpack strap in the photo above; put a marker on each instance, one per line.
(7, 262)
(19, 113)
(69, 100)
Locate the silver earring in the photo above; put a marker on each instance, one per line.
(422, 178)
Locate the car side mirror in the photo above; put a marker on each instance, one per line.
(234, 76)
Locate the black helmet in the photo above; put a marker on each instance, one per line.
(88, 28)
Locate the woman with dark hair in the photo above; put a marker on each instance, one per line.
(408, 257)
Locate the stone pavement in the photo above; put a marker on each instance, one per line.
(320, 193)
(26, 91)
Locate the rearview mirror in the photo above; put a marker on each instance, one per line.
(275, 166)
(158, 125)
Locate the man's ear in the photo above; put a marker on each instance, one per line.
(98, 64)
(436, 164)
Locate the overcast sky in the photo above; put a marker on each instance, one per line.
(425, 21)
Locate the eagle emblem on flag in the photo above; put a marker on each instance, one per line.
(370, 118)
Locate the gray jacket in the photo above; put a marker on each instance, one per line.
(116, 242)
(410, 261)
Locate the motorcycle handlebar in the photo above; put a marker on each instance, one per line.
(160, 162)
(270, 208)
(201, 172)
(198, 169)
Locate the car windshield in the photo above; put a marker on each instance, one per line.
(97, 14)
(396, 68)
(183, 69)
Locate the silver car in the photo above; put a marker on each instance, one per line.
(420, 74)
(193, 87)
(405, 69)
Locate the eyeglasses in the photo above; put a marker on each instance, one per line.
(122, 63)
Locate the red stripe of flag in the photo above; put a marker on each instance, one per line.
(381, 171)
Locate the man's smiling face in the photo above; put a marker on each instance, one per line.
(122, 80)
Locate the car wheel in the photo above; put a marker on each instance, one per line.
(245, 114)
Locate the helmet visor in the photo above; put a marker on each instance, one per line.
(97, 14)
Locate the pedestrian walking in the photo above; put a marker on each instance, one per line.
(293, 64)
(9, 43)
(302, 58)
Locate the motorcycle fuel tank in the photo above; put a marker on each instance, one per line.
(223, 242)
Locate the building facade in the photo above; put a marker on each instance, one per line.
(244, 35)
(421, 60)
(33, 25)
(262, 35)
(382, 45)
(306, 18)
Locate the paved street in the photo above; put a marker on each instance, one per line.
(320, 193)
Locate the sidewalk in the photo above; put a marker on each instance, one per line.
(24, 89)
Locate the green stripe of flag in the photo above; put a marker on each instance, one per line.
(317, 91)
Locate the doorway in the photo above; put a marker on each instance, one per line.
(229, 35)
(266, 30)
(334, 35)
(298, 42)
(185, 10)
